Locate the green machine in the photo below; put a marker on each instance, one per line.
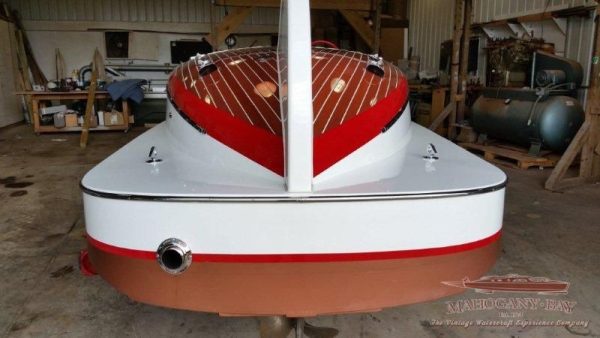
(546, 114)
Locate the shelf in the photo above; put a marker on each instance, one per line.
(52, 129)
(38, 97)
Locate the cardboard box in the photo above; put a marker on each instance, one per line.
(93, 121)
(114, 118)
(70, 120)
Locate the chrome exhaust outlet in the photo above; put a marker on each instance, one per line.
(174, 256)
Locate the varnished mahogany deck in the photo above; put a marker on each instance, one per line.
(236, 100)
(245, 84)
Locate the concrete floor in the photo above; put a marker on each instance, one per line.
(42, 292)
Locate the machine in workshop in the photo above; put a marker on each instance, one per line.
(546, 114)
(509, 60)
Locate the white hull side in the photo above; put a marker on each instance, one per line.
(277, 227)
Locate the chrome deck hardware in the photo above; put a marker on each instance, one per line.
(431, 153)
(205, 64)
(152, 156)
(375, 65)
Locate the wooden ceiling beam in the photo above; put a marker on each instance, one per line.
(574, 11)
(357, 5)
(360, 25)
(228, 25)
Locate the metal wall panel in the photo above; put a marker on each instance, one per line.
(579, 43)
(492, 10)
(431, 23)
(174, 11)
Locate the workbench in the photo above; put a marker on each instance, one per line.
(39, 99)
(437, 104)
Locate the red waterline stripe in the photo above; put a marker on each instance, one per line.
(304, 258)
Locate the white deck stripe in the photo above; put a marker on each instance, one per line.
(210, 95)
(230, 90)
(183, 77)
(348, 85)
(245, 92)
(377, 92)
(354, 94)
(393, 79)
(220, 93)
(321, 71)
(193, 84)
(314, 64)
(331, 92)
(365, 94)
(259, 64)
(389, 83)
(325, 82)
(275, 95)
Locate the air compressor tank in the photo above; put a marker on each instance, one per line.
(522, 118)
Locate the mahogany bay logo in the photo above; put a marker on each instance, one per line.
(513, 283)
(510, 304)
(512, 310)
